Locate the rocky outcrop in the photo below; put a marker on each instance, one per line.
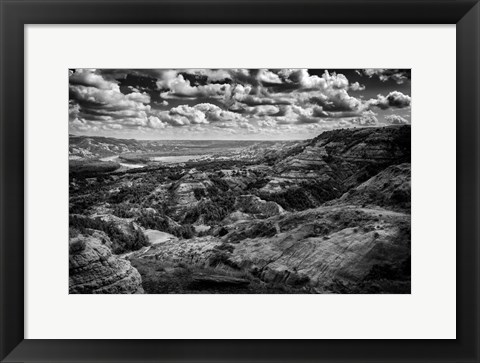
(191, 251)
(93, 269)
(102, 236)
(127, 235)
(336, 161)
(260, 208)
(329, 246)
(329, 249)
(186, 192)
(236, 217)
(389, 188)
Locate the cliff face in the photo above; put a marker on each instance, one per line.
(94, 270)
(181, 194)
(339, 160)
(389, 189)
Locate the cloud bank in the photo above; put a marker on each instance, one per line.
(269, 102)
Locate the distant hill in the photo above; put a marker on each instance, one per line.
(88, 147)
(97, 146)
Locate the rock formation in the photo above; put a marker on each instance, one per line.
(338, 160)
(252, 204)
(328, 246)
(339, 248)
(94, 270)
(390, 188)
(330, 214)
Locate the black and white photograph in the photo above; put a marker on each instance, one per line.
(239, 181)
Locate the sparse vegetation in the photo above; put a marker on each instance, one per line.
(188, 279)
(333, 191)
(79, 168)
(161, 223)
(131, 241)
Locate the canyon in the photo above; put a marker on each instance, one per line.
(330, 214)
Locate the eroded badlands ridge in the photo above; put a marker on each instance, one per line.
(93, 269)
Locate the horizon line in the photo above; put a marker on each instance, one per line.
(259, 140)
(131, 138)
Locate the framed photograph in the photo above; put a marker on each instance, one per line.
(240, 181)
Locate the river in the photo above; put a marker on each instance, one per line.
(162, 159)
(115, 158)
(176, 159)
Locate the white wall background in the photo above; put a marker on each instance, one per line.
(429, 312)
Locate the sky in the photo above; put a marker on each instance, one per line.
(234, 104)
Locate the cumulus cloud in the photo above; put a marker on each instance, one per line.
(304, 81)
(263, 110)
(254, 77)
(397, 75)
(289, 87)
(365, 120)
(214, 113)
(240, 101)
(183, 115)
(213, 75)
(203, 113)
(88, 78)
(357, 87)
(328, 92)
(268, 123)
(268, 87)
(393, 99)
(294, 114)
(239, 95)
(98, 103)
(225, 125)
(338, 101)
(252, 100)
(155, 123)
(179, 87)
(396, 120)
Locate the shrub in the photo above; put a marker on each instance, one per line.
(307, 195)
(123, 211)
(222, 232)
(219, 183)
(212, 210)
(153, 221)
(76, 246)
(122, 242)
(219, 258)
(401, 271)
(186, 231)
(401, 197)
(257, 184)
(81, 168)
(199, 193)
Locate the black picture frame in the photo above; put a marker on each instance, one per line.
(15, 14)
